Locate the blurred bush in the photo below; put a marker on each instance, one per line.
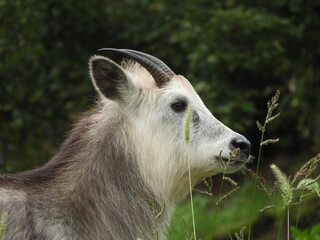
(236, 53)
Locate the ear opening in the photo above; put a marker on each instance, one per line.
(109, 78)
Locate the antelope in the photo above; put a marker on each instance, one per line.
(127, 154)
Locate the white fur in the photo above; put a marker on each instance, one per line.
(163, 153)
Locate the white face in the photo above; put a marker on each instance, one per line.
(210, 140)
(160, 123)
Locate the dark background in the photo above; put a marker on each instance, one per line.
(236, 54)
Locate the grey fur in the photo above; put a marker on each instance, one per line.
(91, 189)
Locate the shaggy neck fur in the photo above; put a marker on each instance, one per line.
(165, 168)
(94, 185)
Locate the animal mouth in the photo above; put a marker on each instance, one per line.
(228, 161)
(234, 162)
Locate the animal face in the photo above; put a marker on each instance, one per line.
(171, 128)
(163, 120)
(210, 142)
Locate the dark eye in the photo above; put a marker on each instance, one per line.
(179, 106)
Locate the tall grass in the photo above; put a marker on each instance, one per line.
(188, 123)
(271, 106)
(292, 189)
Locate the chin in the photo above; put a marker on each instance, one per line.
(233, 168)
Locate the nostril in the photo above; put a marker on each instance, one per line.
(243, 144)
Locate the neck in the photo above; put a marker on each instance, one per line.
(94, 181)
(164, 168)
(106, 181)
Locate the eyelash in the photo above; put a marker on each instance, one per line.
(179, 106)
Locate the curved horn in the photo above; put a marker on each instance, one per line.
(158, 70)
(157, 61)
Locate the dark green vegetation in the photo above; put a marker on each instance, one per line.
(236, 53)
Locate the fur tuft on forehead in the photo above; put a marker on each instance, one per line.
(140, 77)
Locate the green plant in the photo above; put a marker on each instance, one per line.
(187, 139)
(307, 234)
(271, 106)
(290, 188)
(3, 224)
(157, 212)
(293, 189)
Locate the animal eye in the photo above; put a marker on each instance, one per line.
(179, 106)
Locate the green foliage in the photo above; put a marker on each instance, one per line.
(235, 52)
(44, 53)
(307, 234)
(234, 211)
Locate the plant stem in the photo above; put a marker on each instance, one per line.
(271, 105)
(255, 181)
(298, 216)
(288, 223)
(220, 212)
(191, 199)
(224, 222)
(282, 218)
(218, 197)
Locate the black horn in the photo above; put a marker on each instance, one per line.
(158, 70)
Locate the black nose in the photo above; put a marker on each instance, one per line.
(243, 144)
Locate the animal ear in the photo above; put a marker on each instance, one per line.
(108, 78)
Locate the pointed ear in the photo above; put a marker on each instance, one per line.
(109, 78)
